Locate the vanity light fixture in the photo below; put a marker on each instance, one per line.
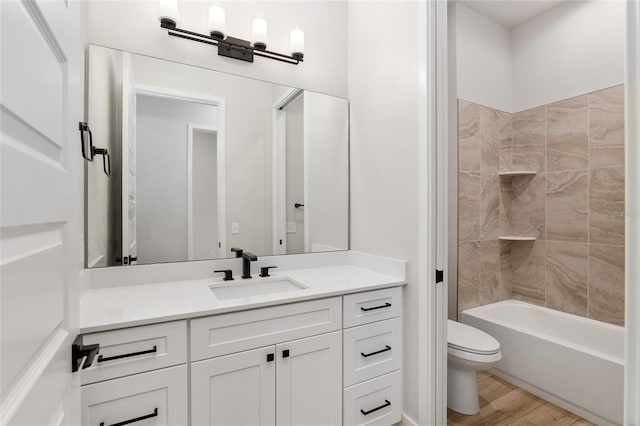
(228, 46)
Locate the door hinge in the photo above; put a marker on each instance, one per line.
(439, 276)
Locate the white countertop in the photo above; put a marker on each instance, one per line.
(118, 307)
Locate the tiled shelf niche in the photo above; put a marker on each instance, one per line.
(509, 176)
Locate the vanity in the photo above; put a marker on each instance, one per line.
(326, 353)
(191, 165)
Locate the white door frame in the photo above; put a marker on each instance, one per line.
(433, 211)
(632, 238)
(279, 171)
(219, 102)
(220, 184)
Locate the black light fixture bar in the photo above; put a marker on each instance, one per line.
(230, 47)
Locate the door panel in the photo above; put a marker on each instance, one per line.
(309, 381)
(234, 390)
(41, 208)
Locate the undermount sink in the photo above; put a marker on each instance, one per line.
(256, 287)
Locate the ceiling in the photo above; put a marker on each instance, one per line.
(511, 13)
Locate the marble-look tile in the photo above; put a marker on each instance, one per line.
(528, 271)
(506, 141)
(566, 275)
(468, 275)
(468, 206)
(606, 127)
(468, 136)
(568, 206)
(489, 207)
(606, 206)
(529, 140)
(606, 283)
(506, 197)
(528, 205)
(489, 140)
(489, 272)
(505, 270)
(567, 141)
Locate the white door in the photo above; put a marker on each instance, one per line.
(234, 390)
(309, 381)
(41, 209)
(129, 241)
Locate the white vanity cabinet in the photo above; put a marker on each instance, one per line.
(373, 358)
(294, 380)
(327, 361)
(139, 377)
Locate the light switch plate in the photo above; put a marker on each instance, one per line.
(235, 228)
(291, 227)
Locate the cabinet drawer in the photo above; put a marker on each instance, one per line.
(363, 308)
(135, 350)
(372, 350)
(157, 398)
(240, 331)
(374, 402)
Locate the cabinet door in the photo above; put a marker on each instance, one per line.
(157, 398)
(234, 390)
(309, 381)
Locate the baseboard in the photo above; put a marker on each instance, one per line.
(407, 421)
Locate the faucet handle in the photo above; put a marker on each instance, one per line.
(237, 251)
(264, 271)
(228, 274)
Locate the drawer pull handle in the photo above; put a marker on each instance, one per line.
(386, 305)
(111, 358)
(386, 404)
(137, 419)
(386, 348)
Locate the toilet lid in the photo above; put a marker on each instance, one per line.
(468, 339)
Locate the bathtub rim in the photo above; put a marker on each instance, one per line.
(595, 352)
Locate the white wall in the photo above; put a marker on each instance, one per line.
(575, 48)
(383, 94)
(483, 58)
(161, 159)
(326, 135)
(133, 26)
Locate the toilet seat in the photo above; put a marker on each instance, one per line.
(462, 338)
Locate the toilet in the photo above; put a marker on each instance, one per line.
(468, 350)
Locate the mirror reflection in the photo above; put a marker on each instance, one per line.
(203, 161)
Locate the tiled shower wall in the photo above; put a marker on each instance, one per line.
(573, 205)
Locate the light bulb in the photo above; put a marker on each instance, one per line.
(297, 43)
(259, 34)
(168, 13)
(217, 26)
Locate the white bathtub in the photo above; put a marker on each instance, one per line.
(574, 362)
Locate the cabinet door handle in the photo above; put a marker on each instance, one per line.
(137, 419)
(111, 358)
(386, 305)
(285, 353)
(386, 404)
(271, 357)
(386, 348)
